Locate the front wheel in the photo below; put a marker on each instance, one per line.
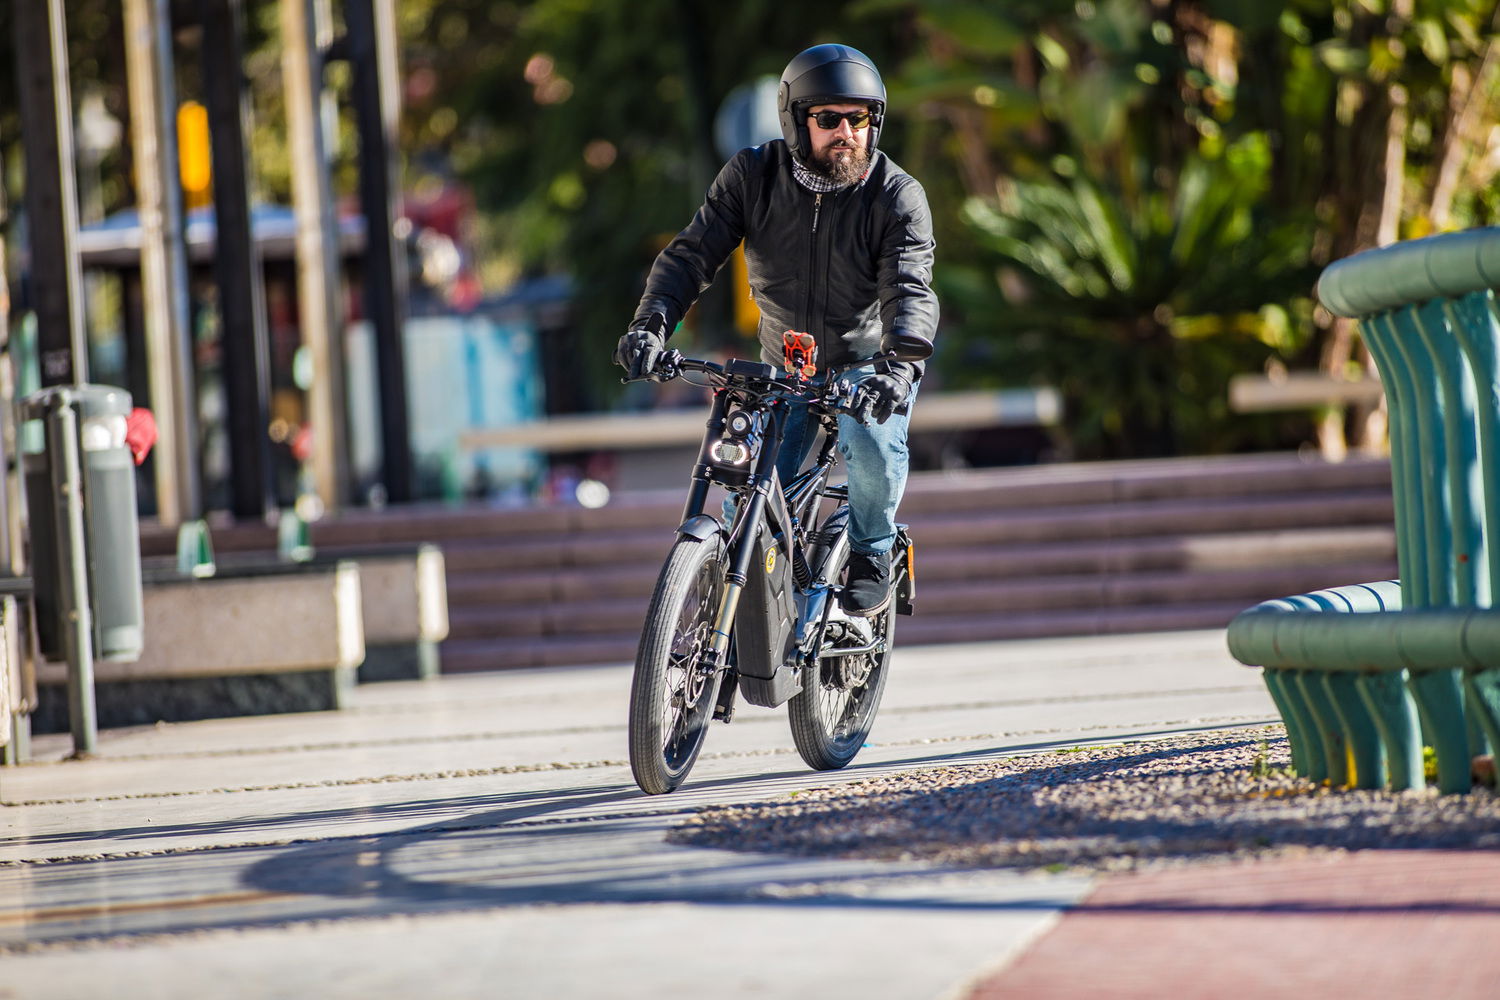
(833, 714)
(671, 696)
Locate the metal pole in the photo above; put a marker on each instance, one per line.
(148, 62)
(51, 190)
(306, 32)
(237, 264)
(372, 50)
(12, 529)
(78, 631)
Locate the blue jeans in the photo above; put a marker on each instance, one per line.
(876, 459)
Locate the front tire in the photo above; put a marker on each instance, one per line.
(671, 700)
(832, 716)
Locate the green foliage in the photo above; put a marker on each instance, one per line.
(585, 130)
(1151, 221)
(1138, 306)
(1132, 198)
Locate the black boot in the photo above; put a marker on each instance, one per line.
(867, 587)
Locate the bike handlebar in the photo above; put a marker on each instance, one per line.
(834, 395)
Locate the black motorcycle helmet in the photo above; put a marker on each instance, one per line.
(827, 74)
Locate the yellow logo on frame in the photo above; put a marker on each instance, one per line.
(770, 560)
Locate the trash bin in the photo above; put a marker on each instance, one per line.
(111, 532)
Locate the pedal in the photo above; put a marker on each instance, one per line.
(856, 631)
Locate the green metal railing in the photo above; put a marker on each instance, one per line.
(1365, 676)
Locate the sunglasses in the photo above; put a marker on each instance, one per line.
(829, 120)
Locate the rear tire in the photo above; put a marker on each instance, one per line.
(832, 716)
(671, 702)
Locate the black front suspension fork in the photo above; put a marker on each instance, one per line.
(761, 482)
(698, 490)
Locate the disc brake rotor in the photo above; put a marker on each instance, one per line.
(694, 679)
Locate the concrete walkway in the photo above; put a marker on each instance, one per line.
(480, 835)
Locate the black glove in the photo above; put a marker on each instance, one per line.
(638, 351)
(877, 397)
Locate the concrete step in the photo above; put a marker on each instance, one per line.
(503, 654)
(983, 490)
(1157, 517)
(1117, 482)
(490, 587)
(1042, 528)
(957, 604)
(1291, 547)
(1063, 549)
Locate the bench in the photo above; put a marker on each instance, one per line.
(251, 639)
(404, 596)
(1366, 676)
(404, 585)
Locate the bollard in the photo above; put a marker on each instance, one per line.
(85, 538)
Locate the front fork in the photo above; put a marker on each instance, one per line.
(743, 549)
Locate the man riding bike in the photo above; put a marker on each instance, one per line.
(838, 240)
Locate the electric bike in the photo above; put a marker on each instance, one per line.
(746, 605)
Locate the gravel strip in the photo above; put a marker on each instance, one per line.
(1202, 796)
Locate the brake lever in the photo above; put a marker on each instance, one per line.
(668, 367)
(848, 395)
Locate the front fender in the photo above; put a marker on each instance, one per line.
(700, 526)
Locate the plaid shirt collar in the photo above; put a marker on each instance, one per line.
(814, 182)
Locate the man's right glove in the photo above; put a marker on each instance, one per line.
(638, 351)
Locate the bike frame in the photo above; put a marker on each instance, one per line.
(765, 581)
(790, 511)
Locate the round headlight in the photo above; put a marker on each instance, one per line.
(729, 452)
(739, 423)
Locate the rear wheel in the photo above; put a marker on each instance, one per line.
(833, 714)
(671, 696)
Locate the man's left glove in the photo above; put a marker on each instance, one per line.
(878, 396)
(638, 351)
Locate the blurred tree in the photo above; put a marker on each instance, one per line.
(1383, 129)
(1092, 138)
(1132, 196)
(586, 129)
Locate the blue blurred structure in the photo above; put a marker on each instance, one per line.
(465, 370)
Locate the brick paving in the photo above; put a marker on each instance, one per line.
(1367, 924)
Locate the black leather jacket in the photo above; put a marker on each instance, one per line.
(844, 266)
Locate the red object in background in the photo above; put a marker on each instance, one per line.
(140, 433)
(302, 442)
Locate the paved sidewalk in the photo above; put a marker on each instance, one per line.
(480, 835)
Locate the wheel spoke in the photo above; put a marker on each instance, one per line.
(833, 715)
(672, 697)
(684, 687)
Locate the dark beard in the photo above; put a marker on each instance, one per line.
(840, 171)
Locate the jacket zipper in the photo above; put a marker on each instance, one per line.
(812, 260)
